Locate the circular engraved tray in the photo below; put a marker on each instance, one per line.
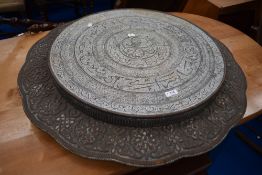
(141, 66)
(81, 134)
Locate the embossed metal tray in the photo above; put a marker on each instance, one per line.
(136, 67)
(81, 134)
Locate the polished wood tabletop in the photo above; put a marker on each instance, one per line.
(25, 149)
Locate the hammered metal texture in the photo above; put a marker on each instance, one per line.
(145, 147)
(137, 63)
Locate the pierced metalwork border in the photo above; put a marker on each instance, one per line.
(143, 147)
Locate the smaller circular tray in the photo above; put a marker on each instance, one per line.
(137, 65)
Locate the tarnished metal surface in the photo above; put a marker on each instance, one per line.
(151, 146)
(137, 64)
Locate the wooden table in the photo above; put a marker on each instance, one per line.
(215, 8)
(24, 149)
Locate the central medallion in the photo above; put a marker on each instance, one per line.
(137, 48)
(135, 63)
